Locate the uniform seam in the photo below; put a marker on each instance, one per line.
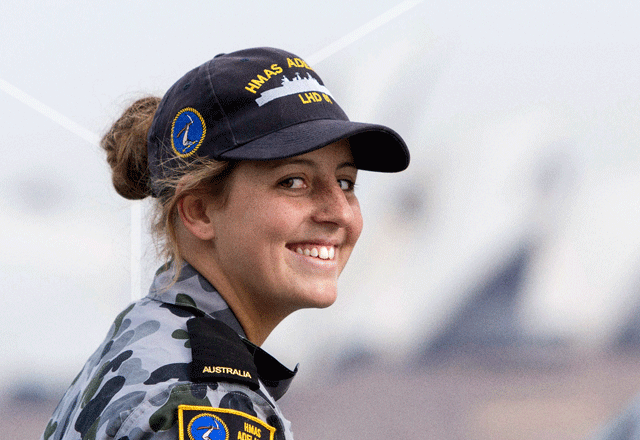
(140, 409)
(181, 389)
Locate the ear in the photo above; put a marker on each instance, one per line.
(192, 209)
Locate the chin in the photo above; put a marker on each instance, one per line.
(318, 299)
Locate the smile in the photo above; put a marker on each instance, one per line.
(322, 252)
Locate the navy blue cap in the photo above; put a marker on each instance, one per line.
(260, 104)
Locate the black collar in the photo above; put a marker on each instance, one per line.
(220, 354)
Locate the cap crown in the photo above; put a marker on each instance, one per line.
(234, 99)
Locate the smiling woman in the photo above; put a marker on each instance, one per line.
(249, 248)
(253, 166)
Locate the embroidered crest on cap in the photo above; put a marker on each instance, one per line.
(206, 423)
(187, 132)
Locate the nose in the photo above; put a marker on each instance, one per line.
(333, 205)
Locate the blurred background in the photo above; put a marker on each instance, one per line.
(495, 292)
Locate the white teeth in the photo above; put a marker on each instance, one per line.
(324, 252)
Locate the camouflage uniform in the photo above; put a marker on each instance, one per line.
(132, 386)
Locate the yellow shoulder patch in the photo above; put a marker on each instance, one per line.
(207, 423)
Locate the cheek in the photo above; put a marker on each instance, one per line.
(270, 223)
(353, 233)
(357, 224)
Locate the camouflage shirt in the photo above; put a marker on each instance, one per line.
(175, 364)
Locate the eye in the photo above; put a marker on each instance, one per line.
(346, 184)
(293, 183)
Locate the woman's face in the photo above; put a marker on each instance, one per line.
(287, 229)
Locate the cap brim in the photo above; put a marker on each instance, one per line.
(374, 147)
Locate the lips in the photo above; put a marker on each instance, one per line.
(321, 252)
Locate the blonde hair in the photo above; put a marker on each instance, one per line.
(126, 146)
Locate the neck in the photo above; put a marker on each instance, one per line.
(257, 320)
(257, 317)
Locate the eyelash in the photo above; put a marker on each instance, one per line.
(288, 183)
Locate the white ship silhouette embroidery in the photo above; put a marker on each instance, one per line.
(292, 87)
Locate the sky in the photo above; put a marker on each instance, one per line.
(523, 120)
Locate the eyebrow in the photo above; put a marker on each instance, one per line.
(299, 161)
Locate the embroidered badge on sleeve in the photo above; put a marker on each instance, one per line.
(206, 423)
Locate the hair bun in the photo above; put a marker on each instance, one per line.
(126, 146)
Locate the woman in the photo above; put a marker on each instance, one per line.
(253, 165)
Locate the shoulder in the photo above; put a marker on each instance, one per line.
(168, 411)
(139, 379)
(147, 344)
(145, 354)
